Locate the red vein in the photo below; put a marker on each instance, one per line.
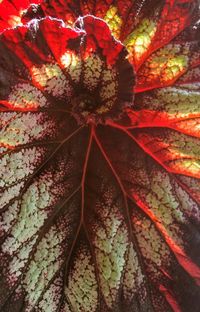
(182, 258)
(125, 195)
(41, 166)
(170, 171)
(146, 150)
(84, 172)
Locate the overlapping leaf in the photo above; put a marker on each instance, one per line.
(11, 12)
(99, 216)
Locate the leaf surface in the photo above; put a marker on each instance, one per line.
(11, 12)
(97, 213)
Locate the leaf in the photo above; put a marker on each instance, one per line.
(169, 63)
(99, 199)
(131, 22)
(140, 30)
(165, 21)
(11, 12)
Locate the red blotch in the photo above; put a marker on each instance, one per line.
(10, 9)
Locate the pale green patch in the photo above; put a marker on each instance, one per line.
(133, 277)
(181, 152)
(113, 20)
(92, 71)
(17, 166)
(8, 217)
(179, 105)
(175, 100)
(175, 66)
(188, 205)
(18, 262)
(33, 212)
(108, 91)
(139, 40)
(163, 201)
(165, 205)
(167, 63)
(189, 166)
(177, 151)
(51, 298)
(23, 128)
(52, 79)
(71, 62)
(183, 145)
(110, 242)
(26, 96)
(35, 206)
(82, 284)
(8, 194)
(45, 264)
(150, 244)
(3, 149)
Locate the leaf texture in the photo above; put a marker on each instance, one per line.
(11, 12)
(99, 186)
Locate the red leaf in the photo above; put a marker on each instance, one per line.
(11, 12)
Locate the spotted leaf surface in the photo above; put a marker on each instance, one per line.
(99, 156)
